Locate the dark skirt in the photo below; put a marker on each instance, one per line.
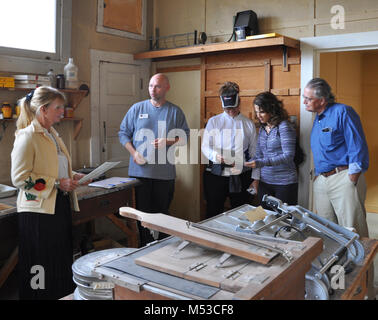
(45, 253)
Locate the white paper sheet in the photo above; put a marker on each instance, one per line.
(98, 171)
(111, 182)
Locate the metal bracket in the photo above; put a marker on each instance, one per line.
(232, 274)
(223, 259)
(180, 247)
(197, 266)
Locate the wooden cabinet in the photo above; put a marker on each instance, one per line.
(12, 95)
(273, 69)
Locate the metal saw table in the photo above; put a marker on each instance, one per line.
(175, 268)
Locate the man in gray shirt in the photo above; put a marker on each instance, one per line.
(150, 131)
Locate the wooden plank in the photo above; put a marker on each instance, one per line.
(201, 265)
(178, 227)
(178, 263)
(218, 47)
(255, 56)
(295, 271)
(286, 80)
(251, 78)
(178, 69)
(242, 93)
(253, 93)
(245, 64)
(358, 275)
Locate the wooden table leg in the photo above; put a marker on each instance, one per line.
(8, 267)
(129, 227)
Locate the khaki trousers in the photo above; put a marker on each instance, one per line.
(337, 199)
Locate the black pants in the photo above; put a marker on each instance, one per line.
(45, 253)
(153, 196)
(216, 190)
(287, 193)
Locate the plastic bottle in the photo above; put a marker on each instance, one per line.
(71, 75)
(52, 78)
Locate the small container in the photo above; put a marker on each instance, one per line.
(71, 74)
(17, 109)
(60, 81)
(7, 110)
(68, 112)
(52, 78)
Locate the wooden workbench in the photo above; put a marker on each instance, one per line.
(93, 203)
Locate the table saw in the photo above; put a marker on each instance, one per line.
(288, 253)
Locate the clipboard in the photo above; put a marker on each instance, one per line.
(98, 171)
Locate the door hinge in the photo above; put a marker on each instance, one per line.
(141, 84)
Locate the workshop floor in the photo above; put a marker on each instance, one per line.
(9, 289)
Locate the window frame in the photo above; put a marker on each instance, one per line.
(62, 40)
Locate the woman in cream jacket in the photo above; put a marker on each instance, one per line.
(41, 169)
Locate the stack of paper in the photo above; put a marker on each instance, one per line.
(111, 182)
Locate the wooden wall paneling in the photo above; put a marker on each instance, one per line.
(247, 78)
(267, 80)
(286, 80)
(177, 69)
(258, 55)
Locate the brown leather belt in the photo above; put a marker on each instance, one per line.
(336, 170)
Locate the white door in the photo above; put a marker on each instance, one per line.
(120, 88)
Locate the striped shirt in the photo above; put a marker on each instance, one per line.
(275, 154)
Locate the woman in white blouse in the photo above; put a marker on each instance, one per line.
(42, 170)
(229, 140)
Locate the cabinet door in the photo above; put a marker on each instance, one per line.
(119, 90)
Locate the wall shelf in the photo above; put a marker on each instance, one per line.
(218, 47)
(74, 98)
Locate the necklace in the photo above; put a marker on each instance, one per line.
(56, 143)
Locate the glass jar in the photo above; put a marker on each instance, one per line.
(60, 81)
(7, 110)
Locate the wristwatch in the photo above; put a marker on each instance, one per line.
(57, 184)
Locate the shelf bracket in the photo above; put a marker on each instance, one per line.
(285, 62)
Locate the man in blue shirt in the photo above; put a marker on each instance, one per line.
(148, 131)
(340, 156)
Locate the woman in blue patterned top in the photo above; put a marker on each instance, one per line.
(275, 150)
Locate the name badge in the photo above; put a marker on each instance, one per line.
(143, 116)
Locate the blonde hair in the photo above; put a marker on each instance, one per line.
(31, 103)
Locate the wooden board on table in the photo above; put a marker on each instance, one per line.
(198, 264)
(178, 227)
(245, 278)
